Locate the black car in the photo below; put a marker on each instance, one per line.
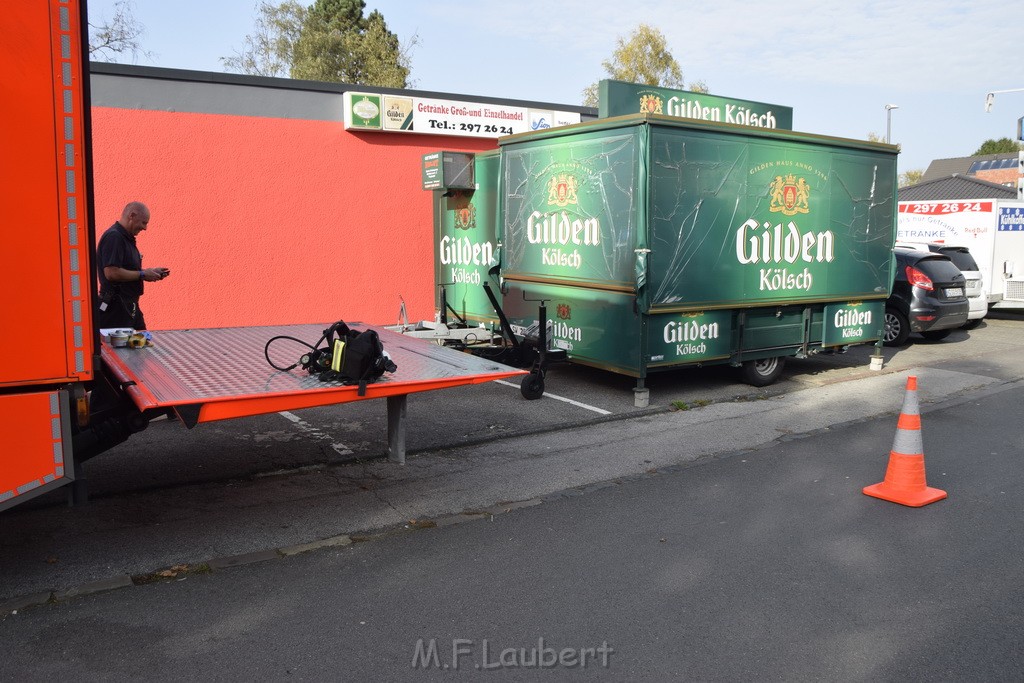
(962, 259)
(928, 296)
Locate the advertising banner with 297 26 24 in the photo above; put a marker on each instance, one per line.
(957, 223)
(377, 112)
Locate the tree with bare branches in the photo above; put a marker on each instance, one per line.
(118, 36)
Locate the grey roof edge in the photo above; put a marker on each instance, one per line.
(155, 72)
(981, 157)
(943, 168)
(961, 186)
(961, 176)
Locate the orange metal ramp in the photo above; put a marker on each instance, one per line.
(218, 374)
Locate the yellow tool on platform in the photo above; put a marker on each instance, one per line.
(339, 355)
(138, 341)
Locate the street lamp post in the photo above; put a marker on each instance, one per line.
(877, 360)
(991, 96)
(888, 121)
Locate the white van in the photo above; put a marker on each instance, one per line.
(963, 260)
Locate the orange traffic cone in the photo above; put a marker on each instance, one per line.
(904, 481)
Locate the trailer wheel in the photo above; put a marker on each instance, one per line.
(763, 371)
(532, 386)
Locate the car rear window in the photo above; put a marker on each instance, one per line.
(938, 268)
(961, 258)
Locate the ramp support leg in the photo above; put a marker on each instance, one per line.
(78, 490)
(396, 428)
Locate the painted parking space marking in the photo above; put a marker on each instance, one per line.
(339, 448)
(599, 411)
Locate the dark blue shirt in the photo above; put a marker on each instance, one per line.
(117, 248)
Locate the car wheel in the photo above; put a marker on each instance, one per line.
(936, 335)
(763, 371)
(971, 324)
(897, 328)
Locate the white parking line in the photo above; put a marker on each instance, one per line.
(599, 411)
(339, 448)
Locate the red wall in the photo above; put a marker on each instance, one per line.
(267, 221)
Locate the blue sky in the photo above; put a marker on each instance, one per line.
(836, 63)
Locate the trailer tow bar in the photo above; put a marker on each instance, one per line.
(445, 307)
(506, 328)
(532, 385)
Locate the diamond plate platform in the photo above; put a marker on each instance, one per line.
(217, 374)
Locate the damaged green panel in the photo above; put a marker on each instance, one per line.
(660, 242)
(572, 209)
(736, 220)
(466, 242)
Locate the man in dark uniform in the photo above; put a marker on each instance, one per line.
(120, 270)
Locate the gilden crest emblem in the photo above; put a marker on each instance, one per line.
(789, 195)
(564, 312)
(465, 216)
(650, 104)
(562, 190)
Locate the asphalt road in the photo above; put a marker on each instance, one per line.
(727, 541)
(754, 565)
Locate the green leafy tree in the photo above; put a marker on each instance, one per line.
(911, 177)
(338, 44)
(642, 58)
(1000, 146)
(329, 41)
(269, 50)
(875, 137)
(120, 35)
(907, 177)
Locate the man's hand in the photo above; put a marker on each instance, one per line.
(154, 274)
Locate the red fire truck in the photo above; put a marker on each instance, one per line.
(66, 396)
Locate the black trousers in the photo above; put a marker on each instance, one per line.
(120, 312)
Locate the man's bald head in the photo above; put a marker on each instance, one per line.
(135, 217)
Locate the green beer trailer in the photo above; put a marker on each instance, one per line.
(658, 242)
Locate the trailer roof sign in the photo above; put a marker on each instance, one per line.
(618, 98)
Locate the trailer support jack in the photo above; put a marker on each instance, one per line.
(641, 394)
(532, 385)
